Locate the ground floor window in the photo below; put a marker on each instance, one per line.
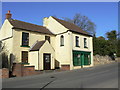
(81, 58)
(76, 59)
(24, 56)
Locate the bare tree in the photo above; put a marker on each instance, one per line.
(3, 56)
(5, 61)
(83, 22)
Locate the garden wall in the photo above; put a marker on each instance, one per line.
(4, 73)
(19, 70)
(99, 60)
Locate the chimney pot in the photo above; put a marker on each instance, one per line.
(8, 15)
(8, 11)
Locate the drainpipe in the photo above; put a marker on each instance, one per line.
(70, 49)
(38, 59)
(81, 66)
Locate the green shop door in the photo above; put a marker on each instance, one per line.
(82, 59)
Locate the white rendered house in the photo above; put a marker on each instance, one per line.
(56, 44)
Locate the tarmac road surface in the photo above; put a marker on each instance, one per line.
(104, 76)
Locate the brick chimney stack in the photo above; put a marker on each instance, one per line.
(8, 15)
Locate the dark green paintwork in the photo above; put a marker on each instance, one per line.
(24, 46)
(83, 59)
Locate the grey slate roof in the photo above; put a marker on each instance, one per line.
(72, 27)
(29, 26)
(37, 46)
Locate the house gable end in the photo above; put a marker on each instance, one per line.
(54, 26)
(6, 30)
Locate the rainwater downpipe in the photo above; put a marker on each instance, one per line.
(38, 60)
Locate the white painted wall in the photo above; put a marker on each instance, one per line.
(81, 42)
(54, 26)
(33, 37)
(46, 48)
(63, 53)
(33, 59)
(6, 30)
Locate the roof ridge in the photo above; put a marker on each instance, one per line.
(37, 45)
(42, 41)
(59, 20)
(29, 26)
(27, 22)
(63, 20)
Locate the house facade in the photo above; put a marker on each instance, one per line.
(56, 44)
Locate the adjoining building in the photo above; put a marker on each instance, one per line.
(56, 44)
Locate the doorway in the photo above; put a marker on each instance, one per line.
(47, 61)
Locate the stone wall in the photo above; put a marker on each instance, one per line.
(99, 60)
(117, 59)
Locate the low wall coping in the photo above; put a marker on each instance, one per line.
(29, 66)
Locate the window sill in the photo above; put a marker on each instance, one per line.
(24, 63)
(76, 65)
(86, 64)
(85, 47)
(24, 46)
(61, 45)
(78, 46)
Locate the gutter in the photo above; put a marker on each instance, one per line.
(80, 33)
(38, 60)
(6, 38)
(32, 31)
(75, 32)
(62, 32)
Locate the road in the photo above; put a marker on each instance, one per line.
(104, 76)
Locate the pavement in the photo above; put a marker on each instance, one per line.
(104, 76)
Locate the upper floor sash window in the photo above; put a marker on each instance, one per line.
(47, 38)
(77, 41)
(25, 39)
(85, 42)
(61, 40)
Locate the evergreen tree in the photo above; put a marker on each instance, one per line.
(112, 41)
